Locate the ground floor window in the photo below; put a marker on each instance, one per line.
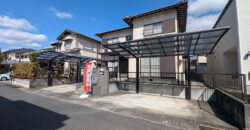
(113, 66)
(150, 67)
(113, 69)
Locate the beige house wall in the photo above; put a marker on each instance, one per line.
(121, 35)
(139, 23)
(154, 18)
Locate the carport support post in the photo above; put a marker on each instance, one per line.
(188, 88)
(137, 75)
(78, 78)
(49, 73)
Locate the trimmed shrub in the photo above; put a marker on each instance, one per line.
(24, 69)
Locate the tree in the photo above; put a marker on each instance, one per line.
(3, 57)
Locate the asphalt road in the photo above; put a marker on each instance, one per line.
(20, 110)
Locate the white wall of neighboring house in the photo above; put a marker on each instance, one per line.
(229, 54)
(12, 56)
(244, 36)
(227, 46)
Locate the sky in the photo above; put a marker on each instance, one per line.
(37, 23)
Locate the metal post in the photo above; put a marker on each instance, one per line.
(49, 73)
(78, 78)
(137, 75)
(245, 88)
(188, 88)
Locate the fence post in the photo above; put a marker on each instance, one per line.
(49, 74)
(188, 87)
(245, 87)
(137, 75)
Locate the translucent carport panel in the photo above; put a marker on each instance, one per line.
(197, 43)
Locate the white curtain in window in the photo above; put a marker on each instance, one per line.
(68, 45)
(155, 67)
(157, 28)
(145, 67)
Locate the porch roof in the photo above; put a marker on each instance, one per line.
(60, 56)
(182, 44)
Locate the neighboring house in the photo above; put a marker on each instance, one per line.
(163, 21)
(231, 55)
(201, 66)
(76, 43)
(17, 55)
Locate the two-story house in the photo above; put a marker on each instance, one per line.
(76, 43)
(163, 21)
(18, 55)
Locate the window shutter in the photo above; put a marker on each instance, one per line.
(168, 64)
(104, 41)
(169, 26)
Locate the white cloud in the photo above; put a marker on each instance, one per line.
(32, 45)
(202, 14)
(200, 7)
(61, 15)
(201, 23)
(12, 36)
(7, 22)
(18, 33)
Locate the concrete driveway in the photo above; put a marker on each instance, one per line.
(169, 110)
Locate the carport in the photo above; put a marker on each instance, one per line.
(180, 44)
(65, 57)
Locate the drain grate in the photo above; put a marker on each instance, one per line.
(208, 128)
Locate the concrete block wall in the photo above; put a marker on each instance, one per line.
(33, 83)
(237, 111)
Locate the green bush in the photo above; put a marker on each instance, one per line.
(38, 68)
(24, 69)
(3, 68)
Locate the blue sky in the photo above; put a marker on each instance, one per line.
(37, 23)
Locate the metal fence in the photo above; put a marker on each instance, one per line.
(234, 84)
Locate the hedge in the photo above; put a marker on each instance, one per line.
(24, 69)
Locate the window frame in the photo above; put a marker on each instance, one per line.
(117, 38)
(153, 28)
(150, 66)
(129, 37)
(70, 45)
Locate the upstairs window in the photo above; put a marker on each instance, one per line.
(113, 40)
(68, 45)
(129, 38)
(17, 55)
(151, 29)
